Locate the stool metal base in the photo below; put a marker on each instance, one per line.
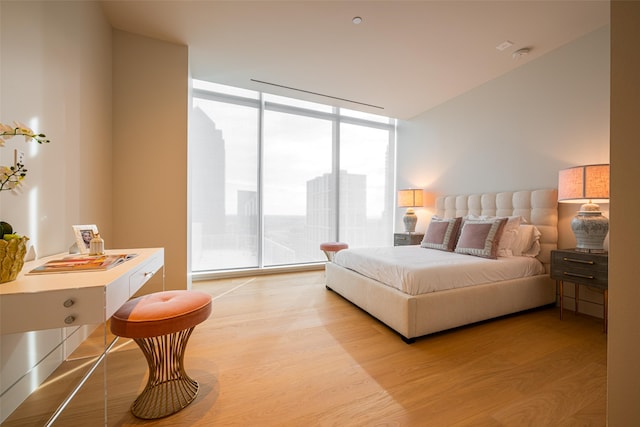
(329, 255)
(169, 388)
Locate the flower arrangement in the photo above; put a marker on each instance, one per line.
(13, 246)
(12, 176)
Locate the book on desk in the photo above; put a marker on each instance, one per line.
(82, 263)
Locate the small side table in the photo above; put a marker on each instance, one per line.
(404, 239)
(581, 268)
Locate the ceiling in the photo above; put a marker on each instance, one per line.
(404, 58)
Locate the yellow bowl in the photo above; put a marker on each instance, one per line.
(12, 254)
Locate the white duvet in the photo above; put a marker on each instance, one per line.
(416, 270)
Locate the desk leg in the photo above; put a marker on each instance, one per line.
(84, 379)
(561, 297)
(606, 311)
(577, 295)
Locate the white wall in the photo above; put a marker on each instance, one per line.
(514, 132)
(55, 75)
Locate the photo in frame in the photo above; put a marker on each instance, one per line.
(84, 234)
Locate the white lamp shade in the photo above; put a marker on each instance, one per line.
(582, 184)
(410, 198)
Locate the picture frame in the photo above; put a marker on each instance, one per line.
(84, 234)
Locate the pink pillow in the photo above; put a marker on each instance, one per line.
(441, 233)
(481, 237)
(509, 232)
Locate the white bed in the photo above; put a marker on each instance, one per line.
(413, 309)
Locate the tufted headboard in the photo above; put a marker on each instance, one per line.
(538, 207)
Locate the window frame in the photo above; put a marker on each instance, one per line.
(336, 119)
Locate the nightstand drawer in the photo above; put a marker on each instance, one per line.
(582, 268)
(403, 239)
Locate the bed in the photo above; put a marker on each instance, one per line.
(416, 310)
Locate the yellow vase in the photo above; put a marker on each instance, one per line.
(12, 254)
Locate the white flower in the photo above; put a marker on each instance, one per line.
(7, 132)
(11, 176)
(22, 129)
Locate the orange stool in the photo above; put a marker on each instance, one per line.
(332, 248)
(161, 324)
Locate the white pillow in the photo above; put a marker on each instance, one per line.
(527, 241)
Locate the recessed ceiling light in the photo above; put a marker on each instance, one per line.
(356, 20)
(520, 53)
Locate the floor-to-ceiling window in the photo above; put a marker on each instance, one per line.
(273, 177)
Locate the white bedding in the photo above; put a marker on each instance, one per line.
(415, 270)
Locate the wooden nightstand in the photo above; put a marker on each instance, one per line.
(581, 268)
(404, 239)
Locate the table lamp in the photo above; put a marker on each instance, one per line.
(410, 198)
(586, 184)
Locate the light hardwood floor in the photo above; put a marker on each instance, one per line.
(283, 351)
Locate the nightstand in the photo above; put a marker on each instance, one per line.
(581, 268)
(404, 239)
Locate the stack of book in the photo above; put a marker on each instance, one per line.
(77, 263)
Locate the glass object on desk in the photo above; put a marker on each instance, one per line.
(96, 245)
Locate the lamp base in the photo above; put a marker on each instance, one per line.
(410, 220)
(590, 228)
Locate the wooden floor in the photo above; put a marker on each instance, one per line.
(283, 351)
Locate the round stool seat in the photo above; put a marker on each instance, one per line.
(161, 313)
(333, 246)
(161, 324)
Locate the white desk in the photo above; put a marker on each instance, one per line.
(48, 301)
(59, 300)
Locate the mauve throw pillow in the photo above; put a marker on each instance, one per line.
(441, 233)
(480, 237)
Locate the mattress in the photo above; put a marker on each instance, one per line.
(415, 270)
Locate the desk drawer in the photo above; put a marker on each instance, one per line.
(123, 288)
(56, 309)
(145, 272)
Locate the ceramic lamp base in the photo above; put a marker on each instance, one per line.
(410, 220)
(590, 229)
